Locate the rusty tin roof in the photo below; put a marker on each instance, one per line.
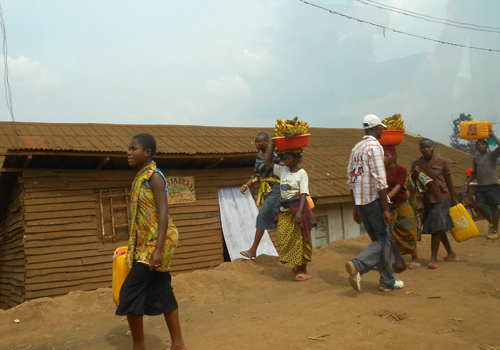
(325, 159)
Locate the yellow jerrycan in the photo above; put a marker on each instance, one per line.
(475, 130)
(465, 228)
(120, 272)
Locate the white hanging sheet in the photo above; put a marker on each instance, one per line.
(238, 213)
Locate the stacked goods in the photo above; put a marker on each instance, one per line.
(475, 130)
(292, 125)
(393, 135)
(291, 135)
(394, 123)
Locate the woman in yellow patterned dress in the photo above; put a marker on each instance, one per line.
(153, 239)
(295, 216)
(405, 223)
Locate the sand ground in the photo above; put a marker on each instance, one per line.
(257, 305)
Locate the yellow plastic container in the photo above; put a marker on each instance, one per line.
(465, 228)
(475, 130)
(120, 272)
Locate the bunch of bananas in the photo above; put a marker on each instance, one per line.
(293, 125)
(394, 122)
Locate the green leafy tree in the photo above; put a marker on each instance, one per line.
(468, 146)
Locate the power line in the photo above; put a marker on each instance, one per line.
(406, 12)
(8, 94)
(399, 31)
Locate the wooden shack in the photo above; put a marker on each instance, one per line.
(64, 196)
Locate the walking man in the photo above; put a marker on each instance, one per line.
(367, 181)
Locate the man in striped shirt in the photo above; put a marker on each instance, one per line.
(367, 181)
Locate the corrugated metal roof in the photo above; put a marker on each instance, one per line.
(325, 159)
(172, 139)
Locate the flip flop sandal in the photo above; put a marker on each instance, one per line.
(433, 266)
(247, 255)
(448, 259)
(414, 265)
(302, 277)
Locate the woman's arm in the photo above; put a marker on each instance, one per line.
(449, 185)
(298, 214)
(157, 184)
(245, 186)
(394, 191)
(304, 192)
(399, 183)
(269, 159)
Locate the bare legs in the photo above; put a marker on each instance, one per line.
(437, 238)
(137, 329)
(258, 236)
(495, 216)
(174, 327)
(414, 258)
(300, 269)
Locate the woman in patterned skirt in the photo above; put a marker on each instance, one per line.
(403, 216)
(295, 216)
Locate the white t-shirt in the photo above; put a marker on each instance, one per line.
(291, 184)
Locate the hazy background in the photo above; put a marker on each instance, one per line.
(240, 62)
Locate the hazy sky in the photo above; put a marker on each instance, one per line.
(241, 62)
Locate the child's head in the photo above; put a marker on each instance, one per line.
(482, 146)
(292, 159)
(426, 148)
(142, 147)
(261, 141)
(390, 155)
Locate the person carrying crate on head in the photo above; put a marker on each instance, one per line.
(484, 169)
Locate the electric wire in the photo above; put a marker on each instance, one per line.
(399, 31)
(405, 12)
(8, 94)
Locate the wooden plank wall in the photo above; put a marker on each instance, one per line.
(63, 252)
(12, 259)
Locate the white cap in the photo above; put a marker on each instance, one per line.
(371, 121)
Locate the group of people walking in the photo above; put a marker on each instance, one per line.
(283, 194)
(377, 187)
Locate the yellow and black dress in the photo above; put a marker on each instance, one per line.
(294, 240)
(146, 292)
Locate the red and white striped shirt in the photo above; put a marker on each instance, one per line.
(366, 170)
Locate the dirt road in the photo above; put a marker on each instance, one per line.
(257, 305)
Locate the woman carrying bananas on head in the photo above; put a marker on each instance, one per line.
(269, 192)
